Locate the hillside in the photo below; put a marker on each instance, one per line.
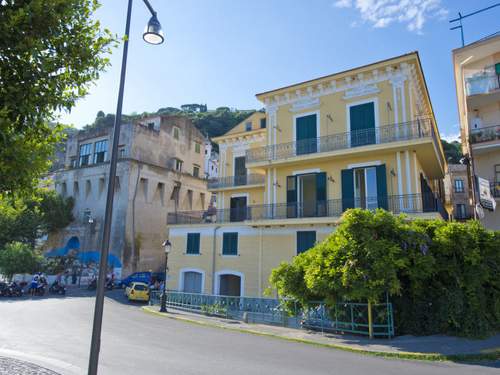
(210, 122)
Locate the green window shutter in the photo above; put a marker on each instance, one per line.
(230, 243)
(382, 187)
(306, 135)
(305, 240)
(347, 189)
(291, 196)
(193, 243)
(497, 68)
(362, 120)
(321, 202)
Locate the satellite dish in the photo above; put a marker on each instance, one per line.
(479, 211)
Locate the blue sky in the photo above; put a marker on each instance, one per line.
(223, 52)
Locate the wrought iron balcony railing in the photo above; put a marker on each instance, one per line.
(414, 203)
(232, 181)
(487, 134)
(385, 134)
(482, 84)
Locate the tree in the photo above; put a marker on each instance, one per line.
(17, 257)
(452, 151)
(51, 51)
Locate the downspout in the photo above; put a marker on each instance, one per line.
(134, 258)
(261, 250)
(214, 246)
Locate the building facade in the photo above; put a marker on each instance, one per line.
(211, 160)
(160, 169)
(457, 199)
(364, 138)
(477, 78)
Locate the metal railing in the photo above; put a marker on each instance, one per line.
(489, 133)
(232, 181)
(412, 203)
(346, 317)
(385, 134)
(482, 84)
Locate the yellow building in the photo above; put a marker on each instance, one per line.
(477, 77)
(365, 137)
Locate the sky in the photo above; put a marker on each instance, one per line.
(223, 52)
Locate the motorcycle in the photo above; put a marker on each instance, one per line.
(57, 288)
(110, 284)
(4, 287)
(92, 285)
(39, 290)
(14, 290)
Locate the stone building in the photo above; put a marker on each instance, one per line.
(160, 170)
(457, 197)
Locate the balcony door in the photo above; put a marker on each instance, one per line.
(365, 188)
(238, 208)
(306, 195)
(240, 171)
(306, 134)
(362, 124)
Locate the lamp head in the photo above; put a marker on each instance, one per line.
(153, 33)
(167, 246)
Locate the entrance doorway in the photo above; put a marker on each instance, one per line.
(230, 285)
(238, 208)
(192, 282)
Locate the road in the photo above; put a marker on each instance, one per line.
(133, 342)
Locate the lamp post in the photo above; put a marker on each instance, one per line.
(167, 246)
(152, 35)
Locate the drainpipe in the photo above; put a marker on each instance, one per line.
(214, 246)
(261, 250)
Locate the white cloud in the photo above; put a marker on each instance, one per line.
(450, 137)
(382, 13)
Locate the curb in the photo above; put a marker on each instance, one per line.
(490, 355)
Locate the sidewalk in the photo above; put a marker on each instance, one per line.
(11, 366)
(437, 347)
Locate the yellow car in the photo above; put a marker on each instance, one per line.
(137, 292)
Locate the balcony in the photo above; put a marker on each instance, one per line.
(418, 129)
(487, 134)
(235, 181)
(411, 204)
(483, 83)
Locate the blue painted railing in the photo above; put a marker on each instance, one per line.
(345, 317)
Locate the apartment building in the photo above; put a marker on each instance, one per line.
(477, 78)
(457, 198)
(365, 137)
(160, 170)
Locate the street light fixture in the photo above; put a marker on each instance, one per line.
(152, 35)
(167, 246)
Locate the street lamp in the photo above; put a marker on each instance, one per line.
(152, 35)
(167, 246)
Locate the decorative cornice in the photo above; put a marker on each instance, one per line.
(361, 91)
(306, 103)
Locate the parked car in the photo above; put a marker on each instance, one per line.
(142, 277)
(137, 291)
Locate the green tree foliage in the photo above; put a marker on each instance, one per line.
(452, 151)
(17, 257)
(26, 219)
(442, 276)
(51, 51)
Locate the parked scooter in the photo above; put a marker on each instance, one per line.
(14, 290)
(57, 288)
(110, 284)
(39, 290)
(4, 288)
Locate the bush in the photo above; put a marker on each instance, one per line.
(17, 257)
(442, 277)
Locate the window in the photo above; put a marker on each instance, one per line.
(230, 243)
(64, 189)
(196, 170)
(193, 243)
(175, 192)
(263, 123)
(202, 200)
(85, 154)
(178, 165)
(143, 183)
(102, 183)
(73, 162)
(100, 151)
(190, 199)
(88, 188)
(365, 188)
(151, 125)
(305, 240)
(248, 126)
(122, 152)
(459, 186)
(460, 214)
(176, 132)
(76, 189)
(197, 147)
(159, 193)
(497, 173)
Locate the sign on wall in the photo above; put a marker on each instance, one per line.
(485, 198)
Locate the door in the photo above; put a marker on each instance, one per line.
(306, 134)
(192, 282)
(230, 285)
(240, 171)
(365, 188)
(238, 208)
(307, 195)
(362, 120)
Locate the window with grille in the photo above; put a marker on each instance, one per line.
(85, 151)
(100, 151)
(459, 186)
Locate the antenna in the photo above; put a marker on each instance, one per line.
(461, 17)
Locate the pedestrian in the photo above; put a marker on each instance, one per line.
(34, 284)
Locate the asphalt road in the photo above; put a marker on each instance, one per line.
(57, 331)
